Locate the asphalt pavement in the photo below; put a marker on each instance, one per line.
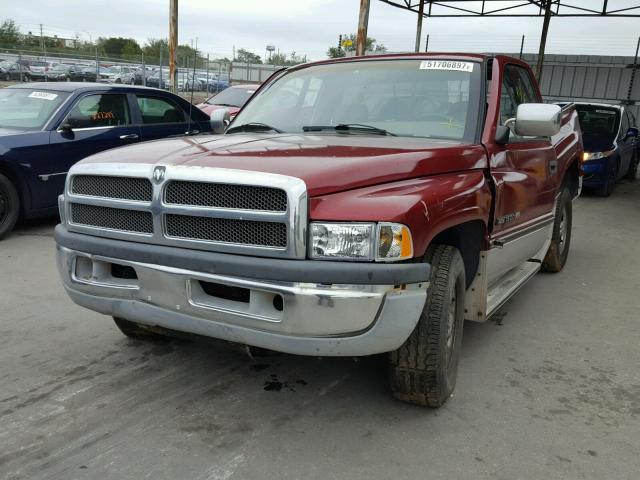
(548, 389)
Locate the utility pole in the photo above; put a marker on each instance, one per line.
(363, 26)
(173, 44)
(543, 39)
(419, 28)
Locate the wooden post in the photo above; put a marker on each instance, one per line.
(419, 28)
(363, 25)
(173, 44)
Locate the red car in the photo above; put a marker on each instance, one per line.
(232, 98)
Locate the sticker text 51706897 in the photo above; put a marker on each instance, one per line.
(446, 65)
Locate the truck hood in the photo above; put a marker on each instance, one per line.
(326, 163)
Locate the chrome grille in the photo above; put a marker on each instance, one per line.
(134, 221)
(121, 188)
(221, 195)
(242, 232)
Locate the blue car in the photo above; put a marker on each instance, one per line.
(610, 137)
(45, 128)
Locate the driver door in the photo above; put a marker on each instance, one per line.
(98, 122)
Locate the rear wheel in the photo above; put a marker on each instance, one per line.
(137, 330)
(558, 252)
(424, 370)
(9, 206)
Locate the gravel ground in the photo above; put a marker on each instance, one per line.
(550, 388)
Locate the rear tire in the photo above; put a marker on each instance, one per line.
(138, 331)
(9, 206)
(423, 371)
(558, 252)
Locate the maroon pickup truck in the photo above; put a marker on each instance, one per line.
(353, 207)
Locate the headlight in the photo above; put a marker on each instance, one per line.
(586, 156)
(384, 242)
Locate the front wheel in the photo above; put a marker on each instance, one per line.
(424, 369)
(9, 206)
(558, 252)
(632, 173)
(610, 182)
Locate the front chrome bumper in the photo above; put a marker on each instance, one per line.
(299, 318)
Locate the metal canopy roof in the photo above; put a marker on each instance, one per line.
(516, 8)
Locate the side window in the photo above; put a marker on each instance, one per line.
(158, 110)
(517, 88)
(108, 110)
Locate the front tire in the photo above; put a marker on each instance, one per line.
(610, 183)
(9, 206)
(632, 173)
(137, 331)
(423, 371)
(558, 252)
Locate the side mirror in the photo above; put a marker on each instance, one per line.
(631, 133)
(538, 120)
(65, 128)
(219, 121)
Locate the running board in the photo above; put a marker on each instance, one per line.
(509, 284)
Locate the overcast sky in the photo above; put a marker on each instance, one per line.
(311, 26)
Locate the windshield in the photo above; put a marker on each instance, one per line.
(60, 68)
(598, 120)
(234, 96)
(28, 109)
(412, 98)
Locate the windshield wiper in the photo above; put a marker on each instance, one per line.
(348, 127)
(254, 127)
(224, 105)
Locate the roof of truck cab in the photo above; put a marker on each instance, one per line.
(477, 57)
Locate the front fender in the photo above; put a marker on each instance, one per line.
(428, 206)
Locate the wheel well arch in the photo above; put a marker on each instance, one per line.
(572, 176)
(18, 183)
(469, 238)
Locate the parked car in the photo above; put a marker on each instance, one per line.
(610, 138)
(45, 128)
(154, 81)
(117, 74)
(89, 74)
(40, 69)
(354, 207)
(231, 99)
(10, 70)
(65, 73)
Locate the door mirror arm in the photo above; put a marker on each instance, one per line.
(65, 128)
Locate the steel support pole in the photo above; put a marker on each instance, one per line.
(173, 43)
(363, 25)
(633, 74)
(419, 27)
(543, 39)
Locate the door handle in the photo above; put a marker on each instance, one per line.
(131, 136)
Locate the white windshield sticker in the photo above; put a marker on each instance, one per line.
(446, 65)
(43, 95)
(607, 112)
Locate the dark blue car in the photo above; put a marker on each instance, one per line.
(47, 127)
(610, 137)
